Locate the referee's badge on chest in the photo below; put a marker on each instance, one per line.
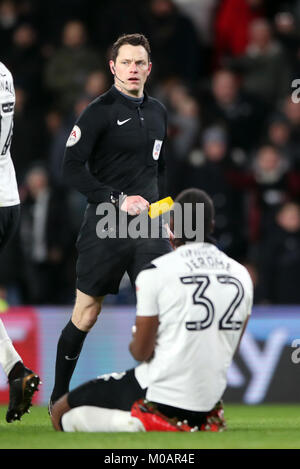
(156, 149)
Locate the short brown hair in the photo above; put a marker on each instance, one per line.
(132, 39)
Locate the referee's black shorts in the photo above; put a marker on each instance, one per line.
(9, 219)
(102, 262)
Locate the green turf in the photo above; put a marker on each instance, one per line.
(265, 426)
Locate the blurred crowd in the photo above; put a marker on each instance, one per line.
(228, 72)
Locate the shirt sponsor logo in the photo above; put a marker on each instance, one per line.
(74, 137)
(156, 149)
(6, 86)
(8, 107)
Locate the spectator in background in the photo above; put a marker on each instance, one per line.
(59, 128)
(45, 239)
(232, 23)
(292, 112)
(174, 42)
(96, 84)
(109, 19)
(26, 62)
(202, 15)
(52, 16)
(278, 134)
(184, 121)
(280, 257)
(183, 128)
(29, 134)
(227, 105)
(57, 135)
(263, 59)
(207, 169)
(251, 263)
(286, 32)
(9, 18)
(67, 70)
(271, 188)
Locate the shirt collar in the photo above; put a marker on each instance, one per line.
(130, 103)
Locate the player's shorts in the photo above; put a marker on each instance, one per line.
(9, 218)
(111, 391)
(102, 262)
(120, 391)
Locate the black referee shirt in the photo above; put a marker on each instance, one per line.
(117, 145)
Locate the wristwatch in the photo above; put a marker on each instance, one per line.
(117, 197)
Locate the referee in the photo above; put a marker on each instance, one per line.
(115, 155)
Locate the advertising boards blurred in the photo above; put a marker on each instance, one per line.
(266, 368)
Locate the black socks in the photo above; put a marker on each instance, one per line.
(68, 350)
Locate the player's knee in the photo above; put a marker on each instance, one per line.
(58, 410)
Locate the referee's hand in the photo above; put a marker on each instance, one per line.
(134, 205)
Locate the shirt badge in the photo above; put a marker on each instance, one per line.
(156, 149)
(74, 137)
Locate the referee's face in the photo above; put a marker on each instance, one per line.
(131, 69)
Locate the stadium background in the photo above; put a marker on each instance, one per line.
(227, 72)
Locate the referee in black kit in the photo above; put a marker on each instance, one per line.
(121, 136)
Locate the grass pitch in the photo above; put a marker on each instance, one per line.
(249, 427)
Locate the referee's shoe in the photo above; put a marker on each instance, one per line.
(21, 391)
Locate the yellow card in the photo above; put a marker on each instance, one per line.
(160, 207)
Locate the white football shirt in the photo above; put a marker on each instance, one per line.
(202, 298)
(9, 194)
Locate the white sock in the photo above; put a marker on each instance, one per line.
(98, 419)
(8, 354)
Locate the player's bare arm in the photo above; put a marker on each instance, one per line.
(144, 337)
(58, 410)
